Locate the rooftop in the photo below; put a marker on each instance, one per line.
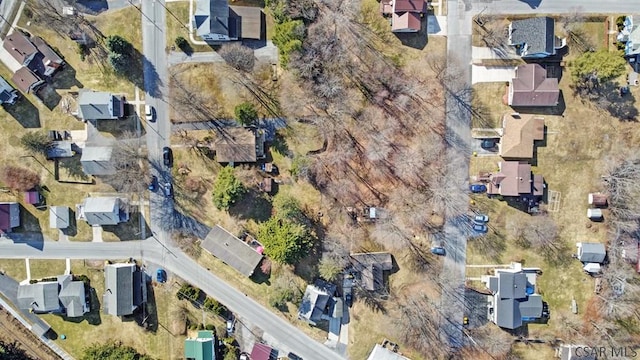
(231, 250)
(236, 145)
(532, 87)
(519, 134)
(536, 35)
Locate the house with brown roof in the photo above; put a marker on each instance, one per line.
(239, 145)
(20, 47)
(406, 15)
(27, 81)
(371, 268)
(532, 87)
(515, 179)
(519, 132)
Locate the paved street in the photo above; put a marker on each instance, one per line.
(181, 265)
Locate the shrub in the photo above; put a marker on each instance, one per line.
(246, 114)
(288, 38)
(182, 43)
(117, 44)
(227, 189)
(284, 241)
(238, 56)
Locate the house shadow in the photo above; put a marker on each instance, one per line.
(149, 317)
(532, 3)
(73, 168)
(25, 113)
(476, 308)
(49, 96)
(544, 110)
(260, 277)
(72, 229)
(66, 79)
(417, 40)
(130, 230)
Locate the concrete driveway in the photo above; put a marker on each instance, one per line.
(484, 74)
(9, 61)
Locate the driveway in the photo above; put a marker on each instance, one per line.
(9, 61)
(486, 74)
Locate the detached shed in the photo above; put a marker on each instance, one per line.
(594, 214)
(58, 217)
(598, 200)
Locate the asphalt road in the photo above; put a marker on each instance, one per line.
(177, 263)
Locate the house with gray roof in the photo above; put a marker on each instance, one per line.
(319, 303)
(125, 289)
(100, 105)
(212, 22)
(591, 252)
(58, 217)
(514, 300)
(8, 95)
(533, 37)
(62, 296)
(96, 160)
(371, 268)
(231, 250)
(9, 216)
(386, 351)
(103, 210)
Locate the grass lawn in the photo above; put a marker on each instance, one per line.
(14, 268)
(178, 25)
(488, 104)
(572, 159)
(46, 268)
(94, 326)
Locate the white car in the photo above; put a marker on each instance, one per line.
(149, 112)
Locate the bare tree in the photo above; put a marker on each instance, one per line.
(419, 324)
(130, 164)
(238, 56)
(18, 178)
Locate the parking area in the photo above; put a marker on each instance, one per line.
(478, 149)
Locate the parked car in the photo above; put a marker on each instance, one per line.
(438, 251)
(480, 228)
(153, 185)
(150, 113)
(477, 188)
(230, 327)
(161, 276)
(168, 189)
(488, 144)
(293, 356)
(167, 156)
(348, 299)
(481, 219)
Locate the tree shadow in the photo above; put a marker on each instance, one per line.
(417, 40)
(150, 82)
(73, 167)
(24, 112)
(253, 205)
(66, 79)
(130, 230)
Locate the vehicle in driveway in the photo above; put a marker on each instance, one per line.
(230, 327)
(488, 144)
(161, 276)
(150, 113)
(167, 156)
(168, 189)
(477, 188)
(348, 299)
(438, 251)
(480, 228)
(153, 185)
(481, 219)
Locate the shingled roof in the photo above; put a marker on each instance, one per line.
(231, 250)
(531, 87)
(535, 36)
(518, 135)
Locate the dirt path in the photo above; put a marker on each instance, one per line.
(11, 330)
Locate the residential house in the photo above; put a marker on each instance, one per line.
(319, 303)
(386, 351)
(126, 289)
(231, 250)
(203, 347)
(630, 35)
(27, 81)
(9, 216)
(239, 145)
(96, 160)
(577, 352)
(262, 351)
(370, 268)
(406, 15)
(8, 95)
(212, 22)
(100, 105)
(514, 300)
(515, 179)
(18, 45)
(61, 296)
(532, 87)
(98, 211)
(591, 255)
(519, 133)
(59, 217)
(533, 37)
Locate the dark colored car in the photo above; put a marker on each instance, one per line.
(438, 251)
(167, 156)
(161, 276)
(488, 144)
(348, 299)
(293, 356)
(480, 228)
(168, 189)
(477, 188)
(153, 185)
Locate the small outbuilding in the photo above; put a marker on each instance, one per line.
(58, 217)
(591, 252)
(597, 199)
(594, 214)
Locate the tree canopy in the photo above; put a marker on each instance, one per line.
(227, 189)
(285, 241)
(246, 113)
(19, 178)
(117, 44)
(113, 351)
(605, 65)
(287, 207)
(288, 37)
